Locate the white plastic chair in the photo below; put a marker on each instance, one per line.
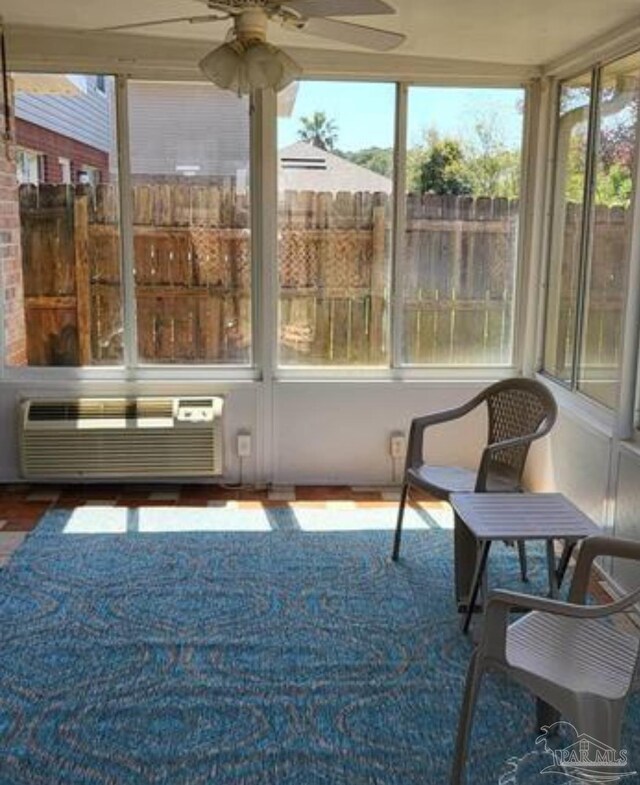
(569, 655)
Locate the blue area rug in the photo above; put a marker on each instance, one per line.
(282, 651)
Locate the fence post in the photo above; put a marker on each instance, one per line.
(378, 282)
(83, 278)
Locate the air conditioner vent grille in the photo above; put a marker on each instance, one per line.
(99, 409)
(120, 437)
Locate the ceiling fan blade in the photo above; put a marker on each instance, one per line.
(191, 19)
(368, 37)
(321, 8)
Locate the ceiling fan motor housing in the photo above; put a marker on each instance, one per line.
(251, 25)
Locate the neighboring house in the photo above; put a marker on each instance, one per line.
(65, 134)
(304, 167)
(187, 130)
(53, 146)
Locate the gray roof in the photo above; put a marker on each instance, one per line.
(304, 167)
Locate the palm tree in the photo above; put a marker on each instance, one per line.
(319, 131)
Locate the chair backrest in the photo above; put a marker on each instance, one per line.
(517, 409)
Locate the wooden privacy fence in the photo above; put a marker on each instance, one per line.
(605, 293)
(192, 253)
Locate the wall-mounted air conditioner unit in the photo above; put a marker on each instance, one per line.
(88, 438)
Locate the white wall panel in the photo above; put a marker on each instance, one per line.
(324, 432)
(240, 413)
(627, 515)
(575, 461)
(338, 432)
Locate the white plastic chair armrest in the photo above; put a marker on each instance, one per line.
(493, 643)
(420, 424)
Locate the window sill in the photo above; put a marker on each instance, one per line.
(170, 373)
(442, 373)
(592, 415)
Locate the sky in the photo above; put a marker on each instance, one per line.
(364, 112)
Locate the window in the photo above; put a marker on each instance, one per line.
(591, 230)
(88, 175)
(65, 170)
(567, 226)
(29, 167)
(607, 257)
(463, 168)
(68, 286)
(335, 183)
(370, 276)
(191, 217)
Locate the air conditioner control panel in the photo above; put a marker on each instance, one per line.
(195, 411)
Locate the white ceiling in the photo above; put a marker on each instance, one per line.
(526, 32)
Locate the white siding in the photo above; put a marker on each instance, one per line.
(87, 117)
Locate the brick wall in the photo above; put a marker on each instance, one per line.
(54, 146)
(15, 350)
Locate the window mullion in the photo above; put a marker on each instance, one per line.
(130, 347)
(264, 206)
(631, 324)
(587, 226)
(399, 224)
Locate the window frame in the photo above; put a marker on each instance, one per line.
(570, 384)
(34, 156)
(622, 419)
(264, 289)
(518, 321)
(396, 369)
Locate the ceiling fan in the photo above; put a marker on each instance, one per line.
(246, 61)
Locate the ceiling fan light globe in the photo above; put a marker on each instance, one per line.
(264, 69)
(246, 66)
(222, 66)
(290, 70)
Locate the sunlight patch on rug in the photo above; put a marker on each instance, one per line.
(154, 520)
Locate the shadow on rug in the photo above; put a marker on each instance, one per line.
(275, 647)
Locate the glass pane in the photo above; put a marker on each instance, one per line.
(192, 241)
(566, 228)
(62, 279)
(610, 231)
(335, 181)
(463, 186)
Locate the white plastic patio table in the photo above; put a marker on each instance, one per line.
(481, 518)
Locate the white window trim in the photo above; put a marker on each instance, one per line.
(396, 369)
(127, 253)
(621, 421)
(406, 373)
(399, 227)
(264, 263)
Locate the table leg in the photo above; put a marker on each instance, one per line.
(477, 582)
(465, 559)
(569, 545)
(551, 566)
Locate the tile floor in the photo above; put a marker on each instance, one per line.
(22, 505)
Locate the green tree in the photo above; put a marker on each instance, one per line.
(614, 187)
(319, 131)
(377, 159)
(491, 167)
(443, 169)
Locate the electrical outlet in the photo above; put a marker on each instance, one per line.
(244, 445)
(397, 445)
